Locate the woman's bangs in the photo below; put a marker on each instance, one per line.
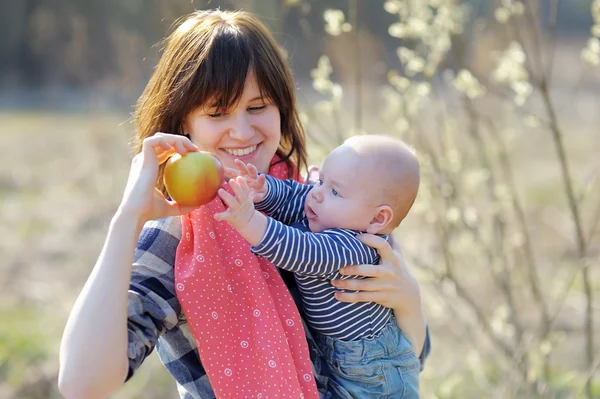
(222, 75)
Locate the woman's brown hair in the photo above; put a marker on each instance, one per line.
(207, 58)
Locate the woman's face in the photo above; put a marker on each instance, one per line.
(249, 131)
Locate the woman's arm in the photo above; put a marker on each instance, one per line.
(96, 331)
(93, 351)
(391, 285)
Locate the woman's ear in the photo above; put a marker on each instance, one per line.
(382, 218)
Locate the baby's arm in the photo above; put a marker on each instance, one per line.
(287, 247)
(280, 199)
(284, 200)
(315, 254)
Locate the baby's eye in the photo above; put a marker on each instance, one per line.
(334, 192)
(319, 182)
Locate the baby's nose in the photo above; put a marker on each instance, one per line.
(316, 194)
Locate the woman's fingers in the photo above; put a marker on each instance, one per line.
(363, 296)
(174, 209)
(361, 284)
(380, 244)
(182, 143)
(163, 145)
(363, 270)
(180, 147)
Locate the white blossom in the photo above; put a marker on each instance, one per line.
(468, 84)
(502, 15)
(590, 54)
(335, 22)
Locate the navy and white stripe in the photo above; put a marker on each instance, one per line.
(315, 258)
(155, 318)
(284, 201)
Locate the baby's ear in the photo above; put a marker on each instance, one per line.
(382, 218)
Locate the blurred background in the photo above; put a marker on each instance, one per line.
(500, 98)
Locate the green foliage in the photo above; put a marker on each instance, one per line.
(23, 343)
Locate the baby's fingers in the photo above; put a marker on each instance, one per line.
(243, 170)
(227, 198)
(258, 183)
(261, 181)
(252, 171)
(240, 188)
(223, 216)
(231, 173)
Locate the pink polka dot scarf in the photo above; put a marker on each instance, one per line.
(240, 313)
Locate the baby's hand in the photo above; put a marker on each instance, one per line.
(257, 183)
(241, 208)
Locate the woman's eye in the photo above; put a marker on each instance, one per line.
(255, 109)
(215, 116)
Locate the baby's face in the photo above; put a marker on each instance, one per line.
(344, 195)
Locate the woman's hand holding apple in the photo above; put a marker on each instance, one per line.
(142, 200)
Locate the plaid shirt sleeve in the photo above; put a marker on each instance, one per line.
(153, 308)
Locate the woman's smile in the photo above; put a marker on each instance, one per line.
(241, 151)
(245, 154)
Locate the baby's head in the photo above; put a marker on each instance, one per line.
(369, 183)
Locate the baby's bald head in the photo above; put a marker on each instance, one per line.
(389, 169)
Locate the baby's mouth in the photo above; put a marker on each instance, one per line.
(310, 214)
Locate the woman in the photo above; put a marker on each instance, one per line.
(223, 86)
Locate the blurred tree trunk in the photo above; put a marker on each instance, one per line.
(14, 47)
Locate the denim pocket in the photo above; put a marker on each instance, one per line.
(406, 359)
(406, 362)
(368, 380)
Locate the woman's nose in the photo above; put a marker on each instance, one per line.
(241, 129)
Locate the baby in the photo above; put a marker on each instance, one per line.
(366, 185)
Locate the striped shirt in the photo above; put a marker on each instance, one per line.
(315, 259)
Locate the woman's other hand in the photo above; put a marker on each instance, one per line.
(391, 284)
(142, 199)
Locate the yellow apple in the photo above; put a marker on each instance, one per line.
(193, 179)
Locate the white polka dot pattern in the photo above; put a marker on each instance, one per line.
(239, 311)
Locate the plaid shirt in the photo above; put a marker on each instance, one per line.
(155, 317)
